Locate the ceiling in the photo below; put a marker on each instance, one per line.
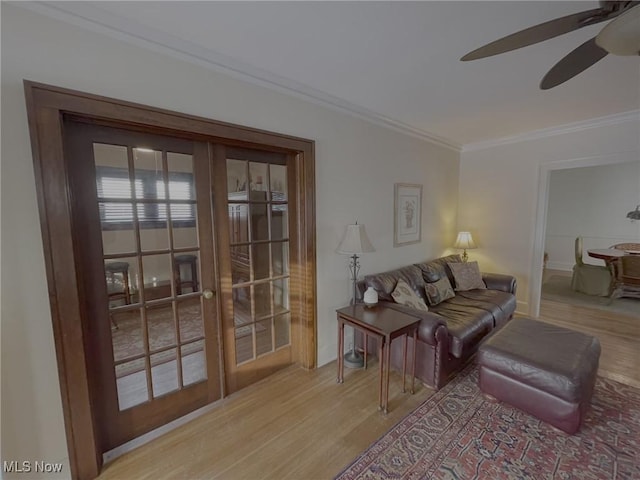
(395, 62)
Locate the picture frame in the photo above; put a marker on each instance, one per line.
(407, 214)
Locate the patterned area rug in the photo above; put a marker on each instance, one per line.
(457, 434)
(127, 338)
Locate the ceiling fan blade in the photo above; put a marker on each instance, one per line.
(541, 32)
(572, 64)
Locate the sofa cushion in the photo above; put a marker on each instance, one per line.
(467, 276)
(467, 326)
(385, 283)
(501, 304)
(439, 291)
(495, 311)
(430, 322)
(434, 270)
(404, 295)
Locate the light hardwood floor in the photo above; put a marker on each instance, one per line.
(619, 336)
(296, 424)
(300, 424)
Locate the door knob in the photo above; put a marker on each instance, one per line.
(208, 294)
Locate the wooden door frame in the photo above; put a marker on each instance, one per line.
(46, 107)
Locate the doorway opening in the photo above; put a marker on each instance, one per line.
(553, 253)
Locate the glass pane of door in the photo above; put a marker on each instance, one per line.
(148, 213)
(259, 253)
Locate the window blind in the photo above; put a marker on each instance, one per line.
(116, 201)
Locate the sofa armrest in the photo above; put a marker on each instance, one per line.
(498, 281)
(429, 321)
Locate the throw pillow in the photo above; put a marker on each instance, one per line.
(405, 296)
(467, 276)
(430, 274)
(439, 291)
(434, 270)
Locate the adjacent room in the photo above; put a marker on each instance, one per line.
(597, 206)
(320, 240)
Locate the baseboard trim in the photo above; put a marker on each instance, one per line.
(566, 267)
(158, 432)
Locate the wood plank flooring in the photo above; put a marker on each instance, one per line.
(296, 424)
(619, 336)
(301, 424)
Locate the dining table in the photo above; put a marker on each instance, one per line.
(607, 254)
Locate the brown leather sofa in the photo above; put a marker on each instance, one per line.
(450, 332)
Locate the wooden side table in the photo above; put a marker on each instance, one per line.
(385, 324)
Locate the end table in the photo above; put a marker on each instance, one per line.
(385, 324)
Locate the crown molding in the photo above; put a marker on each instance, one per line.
(90, 17)
(608, 120)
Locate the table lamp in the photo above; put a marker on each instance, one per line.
(464, 241)
(354, 242)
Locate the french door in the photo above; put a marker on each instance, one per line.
(257, 310)
(158, 305)
(185, 302)
(143, 211)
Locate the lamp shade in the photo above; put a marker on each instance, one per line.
(355, 240)
(465, 241)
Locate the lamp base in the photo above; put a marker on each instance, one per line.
(353, 359)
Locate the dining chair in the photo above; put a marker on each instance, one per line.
(628, 282)
(190, 262)
(117, 274)
(590, 279)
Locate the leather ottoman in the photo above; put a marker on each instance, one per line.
(544, 370)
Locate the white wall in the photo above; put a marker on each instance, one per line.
(500, 188)
(357, 164)
(590, 202)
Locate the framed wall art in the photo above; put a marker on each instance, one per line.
(407, 228)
